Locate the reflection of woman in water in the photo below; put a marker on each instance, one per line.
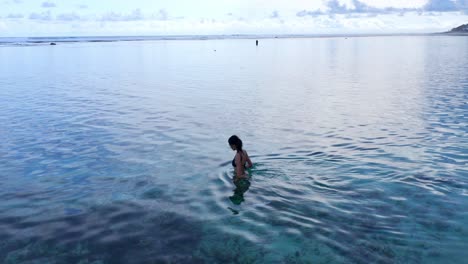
(241, 162)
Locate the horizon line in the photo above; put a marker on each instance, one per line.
(268, 35)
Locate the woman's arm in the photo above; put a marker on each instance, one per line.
(249, 162)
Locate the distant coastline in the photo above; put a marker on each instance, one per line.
(30, 41)
(83, 39)
(458, 31)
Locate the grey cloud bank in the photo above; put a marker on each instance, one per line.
(135, 15)
(48, 4)
(275, 14)
(44, 16)
(69, 17)
(15, 16)
(446, 5)
(333, 17)
(355, 8)
(358, 7)
(13, 2)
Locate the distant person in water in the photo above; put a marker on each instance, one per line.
(241, 161)
(256, 42)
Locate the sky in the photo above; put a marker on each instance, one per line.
(24, 18)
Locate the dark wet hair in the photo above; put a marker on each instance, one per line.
(236, 141)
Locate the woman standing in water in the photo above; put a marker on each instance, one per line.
(241, 161)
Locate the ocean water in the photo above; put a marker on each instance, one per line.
(117, 152)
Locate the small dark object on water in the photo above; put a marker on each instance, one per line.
(53, 44)
(256, 42)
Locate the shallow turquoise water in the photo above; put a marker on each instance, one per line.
(117, 152)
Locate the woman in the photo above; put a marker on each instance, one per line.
(241, 161)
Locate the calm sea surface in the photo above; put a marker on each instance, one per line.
(117, 152)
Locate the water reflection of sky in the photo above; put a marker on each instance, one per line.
(357, 142)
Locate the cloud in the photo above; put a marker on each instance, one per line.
(440, 5)
(15, 16)
(362, 8)
(45, 16)
(432, 14)
(304, 13)
(332, 16)
(69, 17)
(160, 15)
(13, 2)
(446, 5)
(135, 15)
(336, 7)
(48, 4)
(275, 14)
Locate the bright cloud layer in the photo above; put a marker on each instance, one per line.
(146, 17)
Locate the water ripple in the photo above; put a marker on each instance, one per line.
(125, 160)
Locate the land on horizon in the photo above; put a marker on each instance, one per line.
(461, 30)
(65, 39)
